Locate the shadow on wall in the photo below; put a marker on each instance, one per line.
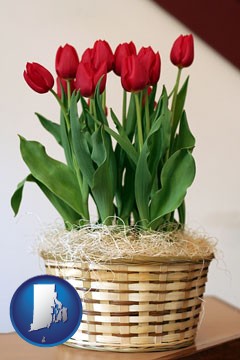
(216, 22)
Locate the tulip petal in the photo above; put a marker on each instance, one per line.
(138, 77)
(66, 62)
(33, 85)
(182, 52)
(84, 79)
(102, 52)
(101, 73)
(188, 50)
(121, 52)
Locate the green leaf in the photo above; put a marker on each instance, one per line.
(131, 118)
(116, 121)
(143, 182)
(65, 140)
(51, 127)
(181, 97)
(16, 198)
(159, 137)
(180, 101)
(152, 153)
(103, 188)
(98, 103)
(185, 137)
(152, 98)
(85, 115)
(127, 198)
(124, 142)
(121, 160)
(182, 213)
(163, 101)
(66, 212)
(80, 144)
(177, 175)
(56, 176)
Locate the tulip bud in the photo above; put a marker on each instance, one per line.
(38, 78)
(134, 76)
(87, 56)
(102, 53)
(62, 85)
(121, 52)
(151, 62)
(66, 62)
(99, 54)
(182, 52)
(87, 78)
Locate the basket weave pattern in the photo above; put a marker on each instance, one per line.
(136, 307)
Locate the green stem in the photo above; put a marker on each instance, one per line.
(91, 106)
(147, 111)
(94, 112)
(76, 168)
(69, 92)
(174, 121)
(171, 93)
(139, 122)
(62, 108)
(80, 183)
(182, 214)
(104, 101)
(124, 109)
(85, 195)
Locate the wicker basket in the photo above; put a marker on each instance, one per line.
(136, 306)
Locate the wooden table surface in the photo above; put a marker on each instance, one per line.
(218, 338)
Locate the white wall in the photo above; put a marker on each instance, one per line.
(32, 31)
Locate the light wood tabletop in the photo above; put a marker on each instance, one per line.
(218, 338)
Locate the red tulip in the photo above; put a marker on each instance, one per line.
(100, 53)
(151, 62)
(63, 82)
(134, 76)
(87, 78)
(182, 53)
(87, 56)
(121, 52)
(38, 78)
(66, 62)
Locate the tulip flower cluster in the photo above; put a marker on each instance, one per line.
(143, 175)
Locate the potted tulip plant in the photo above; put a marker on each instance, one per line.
(139, 272)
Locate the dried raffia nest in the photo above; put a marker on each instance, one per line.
(110, 244)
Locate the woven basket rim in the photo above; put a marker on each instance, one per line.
(139, 259)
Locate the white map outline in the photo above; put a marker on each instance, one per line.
(47, 309)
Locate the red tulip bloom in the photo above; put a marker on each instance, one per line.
(66, 62)
(38, 78)
(99, 54)
(63, 82)
(182, 53)
(121, 52)
(151, 62)
(134, 76)
(87, 78)
(102, 53)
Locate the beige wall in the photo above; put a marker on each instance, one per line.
(32, 31)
